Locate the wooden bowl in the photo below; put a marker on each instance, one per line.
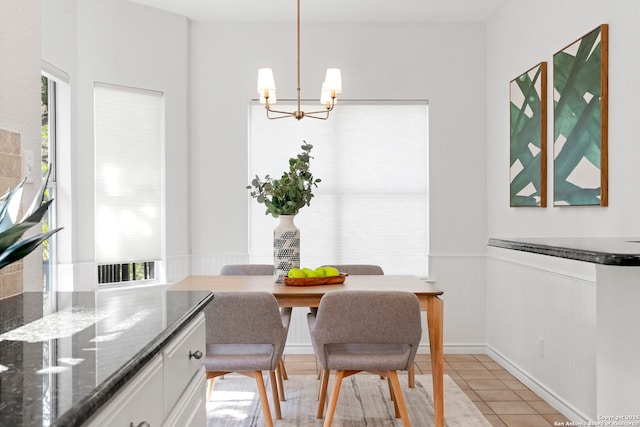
(314, 281)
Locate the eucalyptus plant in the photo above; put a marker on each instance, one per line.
(292, 191)
(13, 249)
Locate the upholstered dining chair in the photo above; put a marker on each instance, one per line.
(245, 334)
(371, 270)
(367, 270)
(360, 269)
(247, 270)
(374, 331)
(261, 270)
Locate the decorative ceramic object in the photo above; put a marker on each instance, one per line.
(286, 247)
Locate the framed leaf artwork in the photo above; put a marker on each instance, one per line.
(528, 138)
(580, 114)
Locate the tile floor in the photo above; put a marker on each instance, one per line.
(502, 399)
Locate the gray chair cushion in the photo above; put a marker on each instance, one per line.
(367, 357)
(238, 357)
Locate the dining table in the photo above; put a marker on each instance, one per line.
(428, 295)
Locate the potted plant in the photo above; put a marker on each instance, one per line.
(292, 191)
(283, 198)
(13, 249)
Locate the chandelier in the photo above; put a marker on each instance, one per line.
(331, 86)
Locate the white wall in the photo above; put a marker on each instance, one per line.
(531, 297)
(442, 63)
(20, 99)
(112, 41)
(126, 44)
(519, 36)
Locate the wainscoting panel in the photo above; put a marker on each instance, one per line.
(542, 324)
(462, 278)
(176, 268)
(211, 265)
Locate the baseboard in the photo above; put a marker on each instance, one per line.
(466, 348)
(547, 395)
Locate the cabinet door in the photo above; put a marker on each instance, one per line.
(137, 402)
(183, 358)
(191, 409)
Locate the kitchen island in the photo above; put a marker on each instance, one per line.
(65, 357)
(599, 305)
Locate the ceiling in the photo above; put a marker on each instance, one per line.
(330, 10)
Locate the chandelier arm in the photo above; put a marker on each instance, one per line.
(283, 114)
(278, 117)
(311, 116)
(325, 111)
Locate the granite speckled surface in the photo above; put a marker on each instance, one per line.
(598, 250)
(59, 365)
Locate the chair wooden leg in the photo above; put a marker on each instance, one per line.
(322, 395)
(320, 378)
(283, 370)
(393, 398)
(390, 388)
(209, 389)
(399, 398)
(412, 375)
(280, 383)
(333, 402)
(264, 401)
(274, 393)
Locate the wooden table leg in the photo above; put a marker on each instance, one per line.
(434, 325)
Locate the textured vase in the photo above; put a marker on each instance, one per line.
(286, 247)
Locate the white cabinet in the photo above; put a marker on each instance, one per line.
(137, 404)
(169, 391)
(191, 410)
(183, 358)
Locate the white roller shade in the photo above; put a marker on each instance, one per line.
(129, 129)
(372, 204)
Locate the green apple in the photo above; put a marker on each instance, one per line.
(320, 272)
(309, 272)
(296, 273)
(331, 271)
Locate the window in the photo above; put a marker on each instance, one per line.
(133, 271)
(372, 204)
(49, 108)
(55, 113)
(129, 201)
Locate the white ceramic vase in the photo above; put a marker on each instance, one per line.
(286, 247)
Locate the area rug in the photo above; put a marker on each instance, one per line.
(364, 401)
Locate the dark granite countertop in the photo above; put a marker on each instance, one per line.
(59, 365)
(598, 250)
